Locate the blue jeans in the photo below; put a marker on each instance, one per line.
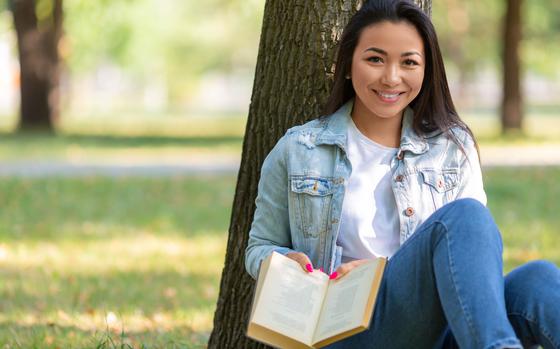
(444, 288)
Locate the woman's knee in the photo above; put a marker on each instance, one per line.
(533, 274)
(470, 219)
(466, 207)
(531, 290)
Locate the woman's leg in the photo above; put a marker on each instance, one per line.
(449, 271)
(532, 293)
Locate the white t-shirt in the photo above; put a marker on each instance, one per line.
(369, 226)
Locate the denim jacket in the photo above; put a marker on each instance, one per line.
(303, 178)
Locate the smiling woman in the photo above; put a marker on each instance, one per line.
(390, 170)
(387, 74)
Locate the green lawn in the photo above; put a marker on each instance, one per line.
(101, 262)
(524, 202)
(82, 260)
(70, 147)
(173, 136)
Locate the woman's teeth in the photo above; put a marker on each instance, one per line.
(389, 96)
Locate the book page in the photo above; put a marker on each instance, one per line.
(346, 301)
(290, 300)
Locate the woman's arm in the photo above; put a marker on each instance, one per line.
(270, 230)
(471, 174)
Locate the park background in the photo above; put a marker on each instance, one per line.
(113, 227)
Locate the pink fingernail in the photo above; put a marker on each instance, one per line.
(309, 267)
(333, 275)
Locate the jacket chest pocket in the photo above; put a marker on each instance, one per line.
(440, 186)
(312, 198)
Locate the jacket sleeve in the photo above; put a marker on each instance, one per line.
(270, 230)
(471, 173)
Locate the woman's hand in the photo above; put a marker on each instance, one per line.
(345, 268)
(303, 260)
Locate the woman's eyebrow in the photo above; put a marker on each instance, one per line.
(383, 52)
(378, 50)
(410, 53)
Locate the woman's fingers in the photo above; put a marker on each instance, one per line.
(343, 269)
(302, 259)
(306, 265)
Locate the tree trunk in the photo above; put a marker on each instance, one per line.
(292, 81)
(512, 113)
(38, 39)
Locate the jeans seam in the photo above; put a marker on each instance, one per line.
(507, 341)
(545, 333)
(464, 308)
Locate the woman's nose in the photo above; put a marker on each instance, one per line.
(391, 76)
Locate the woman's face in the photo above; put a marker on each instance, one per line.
(387, 69)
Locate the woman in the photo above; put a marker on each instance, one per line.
(393, 171)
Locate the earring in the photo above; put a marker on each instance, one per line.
(347, 77)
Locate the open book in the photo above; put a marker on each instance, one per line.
(293, 309)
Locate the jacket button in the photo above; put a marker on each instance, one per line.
(400, 155)
(409, 212)
(440, 183)
(334, 221)
(399, 178)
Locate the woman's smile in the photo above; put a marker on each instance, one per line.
(388, 96)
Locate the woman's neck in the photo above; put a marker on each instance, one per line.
(384, 131)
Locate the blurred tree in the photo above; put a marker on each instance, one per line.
(292, 81)
(512, 110)
(172, 40)
(541, 34)
(38, 25)
(472, 39)
(460, 27)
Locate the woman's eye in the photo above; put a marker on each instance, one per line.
(375, 59)
(410, 62)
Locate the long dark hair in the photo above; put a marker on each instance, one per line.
(433, 107)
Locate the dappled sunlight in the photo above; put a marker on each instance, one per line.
(100, 320)
(82, 260)
(108, 331)
(142, 287)
(143, 252)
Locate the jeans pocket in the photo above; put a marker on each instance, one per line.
(312, 196)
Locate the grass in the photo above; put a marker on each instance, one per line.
(132, 262)
(73, 147)
(173, 137)
(83, 260)
(129, 136)
(525, 205)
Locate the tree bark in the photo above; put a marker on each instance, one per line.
(425, 5)
(38, 40)
(512, 110)
(293, 76)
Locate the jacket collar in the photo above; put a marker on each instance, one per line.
(336, 127)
